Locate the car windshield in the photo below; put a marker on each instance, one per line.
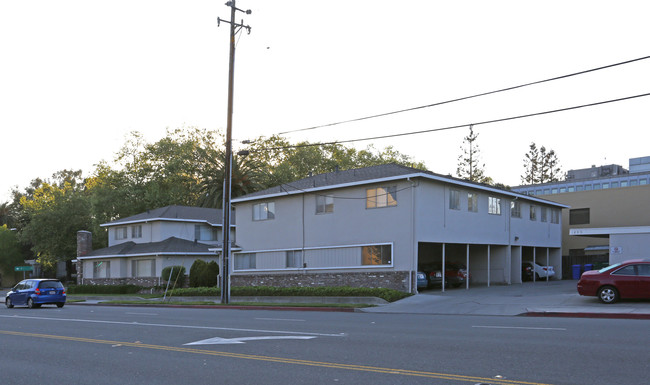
(604, 269)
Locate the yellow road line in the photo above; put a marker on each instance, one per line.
(374, 369)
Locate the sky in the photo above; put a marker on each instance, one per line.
(76, 77)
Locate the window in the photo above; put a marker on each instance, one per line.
(376, 255)
(596, 186)
(102, 269)
(624, 183)
(515, 209)
(533, 212)
(580, 188)
(605, 185)
(324, 204)
(579, 216)
(571, 189)
(554, 190)
(381, 197)
(588, 187)
(494, 205)
(643, 181)
(544, 214)
(245, 261)
(634, 182)
(143, 268)
(627, 270)
(472, 202)
(136, 231)
(121, 233)
(205, 233)
(562, 190)
(614, 184)
(644, 269)
(294, 258)
(454, 199)
(264, 211)
(555, 216)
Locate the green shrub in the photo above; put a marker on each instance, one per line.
(203, 274)
(103, 289)
(195, 272)
(174, 274)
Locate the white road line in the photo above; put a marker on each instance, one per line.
(280, 319)
(177, 326)
(241, 340)
(153, 314)
(518, 327)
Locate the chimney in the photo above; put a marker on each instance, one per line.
(84, 243)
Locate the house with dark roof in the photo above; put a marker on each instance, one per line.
(140, 246)
(378, 226)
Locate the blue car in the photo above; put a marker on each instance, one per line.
(36, 292)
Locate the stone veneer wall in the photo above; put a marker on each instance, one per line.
(397, 280)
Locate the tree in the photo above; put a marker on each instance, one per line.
(55, 212)
(10, 251)
(540, 166)
(469, 164)
(531, 166)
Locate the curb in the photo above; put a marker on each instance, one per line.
(226, 307)
(587, 315)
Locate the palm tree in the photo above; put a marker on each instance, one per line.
(246, 178)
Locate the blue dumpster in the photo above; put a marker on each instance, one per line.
(576, 271)
(589, 266)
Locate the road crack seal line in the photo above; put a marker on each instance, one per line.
(332, 365)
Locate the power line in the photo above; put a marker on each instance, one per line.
(465, 97)
(459, 125)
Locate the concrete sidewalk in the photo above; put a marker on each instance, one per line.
(553, 298)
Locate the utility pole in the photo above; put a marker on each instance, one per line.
(225, 254)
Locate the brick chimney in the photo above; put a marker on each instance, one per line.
(84, 246)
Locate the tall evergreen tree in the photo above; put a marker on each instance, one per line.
(469, 164)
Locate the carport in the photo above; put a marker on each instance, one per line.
(486, 264)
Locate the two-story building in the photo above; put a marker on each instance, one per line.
(140, 246)
(374, 227)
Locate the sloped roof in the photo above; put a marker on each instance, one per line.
(175, 213)
(374, 174)
(169, 246)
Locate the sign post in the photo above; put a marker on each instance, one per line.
(23, 269)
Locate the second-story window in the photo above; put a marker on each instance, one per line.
(324, 204)
(454, 199)
(515, 209)
(381, 197)
(121, 233)
(533, 212)
(264, 211)
(472, 202)
(494, 205)
(136, 231)
(205, 233)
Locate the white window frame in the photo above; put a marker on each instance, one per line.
(293, 259)
(472, 202)
(136, 231)
(121, 233)
(533, 212)
(324, 204)
(264, 211)
(494, 205)
(454, 199)
(379, 197)
(101, 269)
(385, 255)
(515, 209)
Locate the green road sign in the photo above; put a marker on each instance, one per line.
(23, 268)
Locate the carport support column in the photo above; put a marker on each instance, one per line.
(548, 263)
(467, 264)
(534, 262)
(488, 267)
(444, 246)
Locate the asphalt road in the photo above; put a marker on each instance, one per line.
(139, 345)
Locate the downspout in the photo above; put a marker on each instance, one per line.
(414, 256)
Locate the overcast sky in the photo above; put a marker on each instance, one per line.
(77, 76)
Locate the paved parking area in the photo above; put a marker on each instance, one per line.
(538, 298)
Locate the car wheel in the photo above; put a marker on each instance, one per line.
(30, 303)
(60, 304)
(536, 277)
(608, 294)
(8, 303)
